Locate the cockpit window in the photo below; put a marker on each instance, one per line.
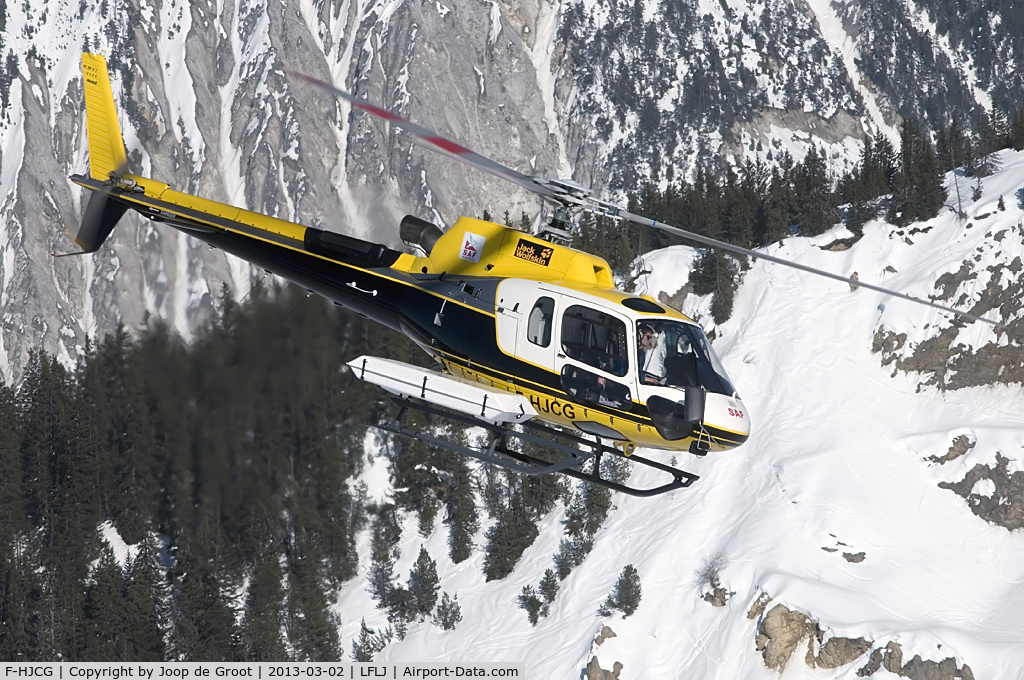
(678, 354)
(595, 338)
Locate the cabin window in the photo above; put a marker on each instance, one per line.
(595, 338)
(538, 324)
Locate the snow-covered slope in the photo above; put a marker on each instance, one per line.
(833, 508)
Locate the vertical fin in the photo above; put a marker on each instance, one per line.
(107, 157)
(106, 145)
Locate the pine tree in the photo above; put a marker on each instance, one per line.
(714, 273)
(529, 601)
(460, 510)
(918, 193)
(815, 203)
(60, 471)
(1017, 129)
(104, 612)
(778, 205)
(625, 597)
(261, 629)
(449, 613)
(203, 618)
(548, 589)
(571, 553)
(369, 642)
(423, 585)
(511, 534)
(15, 573)
(383, 554)
(628, 590)
(586, 510)
(955, 148)
(112, 388)
(312, 626)
(146, 604)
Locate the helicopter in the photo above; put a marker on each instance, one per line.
(533, 341)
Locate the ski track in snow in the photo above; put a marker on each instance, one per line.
(838, 459)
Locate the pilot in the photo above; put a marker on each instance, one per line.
(652, 355)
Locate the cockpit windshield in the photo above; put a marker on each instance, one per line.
(677, 354)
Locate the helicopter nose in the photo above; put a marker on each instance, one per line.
(726, 418)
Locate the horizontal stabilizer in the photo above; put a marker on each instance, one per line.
(481, 402)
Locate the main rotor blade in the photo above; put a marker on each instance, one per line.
(435, 141)
(570, 194)
(614, 211)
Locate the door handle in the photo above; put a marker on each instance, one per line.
(352, 284)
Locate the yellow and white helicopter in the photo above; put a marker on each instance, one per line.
(534, 342)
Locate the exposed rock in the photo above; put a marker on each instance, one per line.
(856, 558)
(842, 243)
(830, 550)
(873, 664)
(605, 633)
(757, 608)
(839, 651)
(922, 669)
(888, 343)
(676, 300)
(944, 358)
(893, 659)
(781, 631)
(779, 634)
(1005, 506)
(595, 672)
(916, 669)
(961, 445)
(949, 282)
(853, 278)
(718, 597)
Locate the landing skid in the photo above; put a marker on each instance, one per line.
(498, 452)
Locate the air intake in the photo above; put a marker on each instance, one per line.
(417, 232)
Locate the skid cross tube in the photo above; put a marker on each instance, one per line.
(572, 459)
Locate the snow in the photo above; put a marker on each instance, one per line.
(841, 157)
(175, 22)
(122, 551)
(839, 459)
(844, 46)
(492, 35)
(963, 63)
(541, 55)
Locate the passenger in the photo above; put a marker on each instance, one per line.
(651, 355)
